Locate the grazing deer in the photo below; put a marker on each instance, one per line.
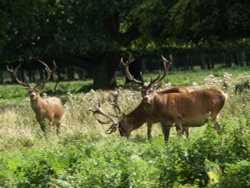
(191, 109)
(147, 89)
(50, 109)
(136, 118)
(126, 123)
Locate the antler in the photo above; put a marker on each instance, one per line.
(128, 74)
(98, 110)
(14, 72)
(113, 101)
(42, 83)
(159, 78)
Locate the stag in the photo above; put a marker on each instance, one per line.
(148, 89)
(50, 109)
(188, 109)
(136, 118)
(126, 123)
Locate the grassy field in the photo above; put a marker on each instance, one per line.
(84, 156)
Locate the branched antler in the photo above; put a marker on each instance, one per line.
(15, 75)
(42, 83)
(153, 83)
(113, 101)
(159, 78)
(128, 74)
(98, 110)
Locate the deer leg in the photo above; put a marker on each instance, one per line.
(166, 131)
(42, 126)
(149, 124)
(58, 126)
(186, 131)
(215, 123)
(179, 127)
(217, 126)
(41, 123)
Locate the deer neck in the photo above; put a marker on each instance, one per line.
(137, 117)
(37, 104)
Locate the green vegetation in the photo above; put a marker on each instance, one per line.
(94, 34)
(83, 156)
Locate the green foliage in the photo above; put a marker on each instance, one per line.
(79, 28)
(82, 156)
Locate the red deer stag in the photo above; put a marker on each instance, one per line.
(147, 89)
(190, 109)
(186, 109)
(126, 123)
(51, 108)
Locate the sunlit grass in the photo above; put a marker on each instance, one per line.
(83, 155)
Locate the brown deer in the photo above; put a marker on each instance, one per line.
(147, 89)
(50, 109)
(185, 110)
(126, 123)
(139, 115)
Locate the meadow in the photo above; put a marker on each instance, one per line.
(84, 156)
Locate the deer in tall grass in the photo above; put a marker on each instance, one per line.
(150, 88)
(50, 109)
(139, 115)
(190, 109)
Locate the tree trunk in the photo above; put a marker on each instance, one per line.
(1, 76)
(203, 61)
(105, 73)
(70, 73)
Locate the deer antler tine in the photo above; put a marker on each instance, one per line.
(54, 63)
(99, 111)
(9, 69)
(166, 65)
(112, 129)
(128, 74)
(114, 102)
(42, 83)
(14, 72)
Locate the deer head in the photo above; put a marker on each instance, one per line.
(147, 89)
(117, 120)
(32, 91)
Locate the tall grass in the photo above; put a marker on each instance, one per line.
(84, 156)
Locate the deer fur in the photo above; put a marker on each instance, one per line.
(136, 118)
(50, 109)
(186, 109)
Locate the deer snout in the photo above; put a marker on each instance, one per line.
(33, 95)
(146, 99)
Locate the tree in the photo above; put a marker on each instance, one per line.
(93, 34)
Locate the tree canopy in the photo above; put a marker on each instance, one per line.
(98, 31)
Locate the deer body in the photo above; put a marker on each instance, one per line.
(137, 117)
(50, 109)
(176, 106)
(187, 109)
(140, 115)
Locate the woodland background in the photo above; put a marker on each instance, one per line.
(88, 38)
